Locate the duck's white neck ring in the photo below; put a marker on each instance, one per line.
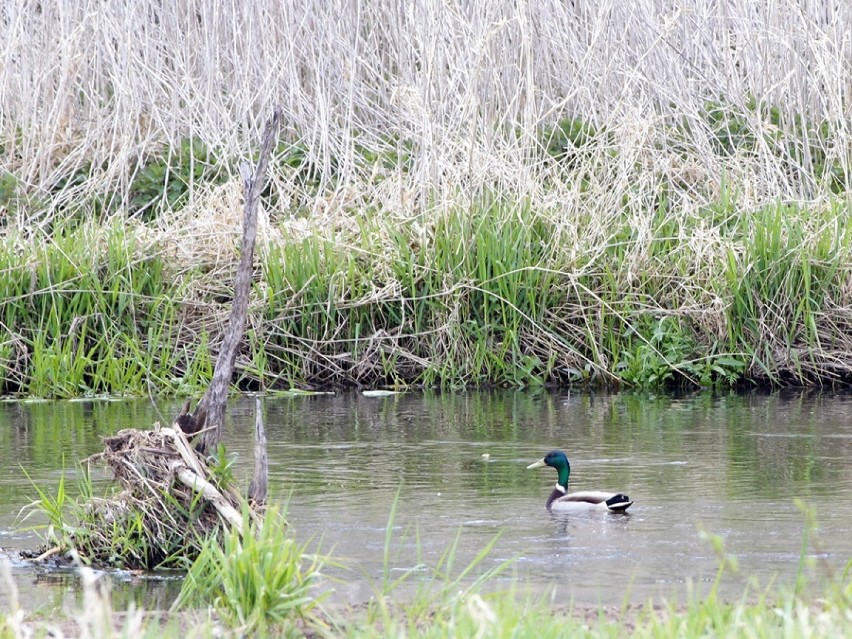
(561, 489)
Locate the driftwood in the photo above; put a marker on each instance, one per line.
(168, 504)
(209, 415)
(146, 463)
(168, 497)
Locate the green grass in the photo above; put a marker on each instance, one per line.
(790, 273)
(514, 615)
(255, 579)
(260, 582)
(85, 311)
(436, 586)
(498, 294)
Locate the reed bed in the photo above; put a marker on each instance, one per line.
(479, 193)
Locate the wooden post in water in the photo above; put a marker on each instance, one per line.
(258, 487)
(210, 412)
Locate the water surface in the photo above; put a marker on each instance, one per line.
(729, 465)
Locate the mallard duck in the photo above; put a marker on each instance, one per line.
(561, 501)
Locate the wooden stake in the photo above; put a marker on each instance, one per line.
(257, 493)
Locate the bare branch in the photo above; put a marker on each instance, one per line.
(210, 412)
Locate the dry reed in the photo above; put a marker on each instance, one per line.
(467, 87)
(406, 113)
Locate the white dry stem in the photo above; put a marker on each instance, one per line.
(482, 615)
(408, 110)
(96, 618)
(13, 619)
(190, 473)
(462, 89)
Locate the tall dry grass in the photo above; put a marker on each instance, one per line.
(467, 86)
(687, 124)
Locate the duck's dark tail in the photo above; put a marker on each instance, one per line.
(618, 503)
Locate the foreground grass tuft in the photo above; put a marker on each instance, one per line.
(257, 579)
(508, 614)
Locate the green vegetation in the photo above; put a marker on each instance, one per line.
(158, 513)
(255, 578)
(618, 213)
(495, 294)
(510, 615)
(647, 198)
(86, 311)
(86, 525)
(261, 583)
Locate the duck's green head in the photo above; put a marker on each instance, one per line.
(558, 460)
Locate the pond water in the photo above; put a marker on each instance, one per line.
(728, 465)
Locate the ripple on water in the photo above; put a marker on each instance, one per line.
(730, 467)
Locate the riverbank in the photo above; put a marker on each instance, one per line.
(498, 293)
(492, 197)
(768, 614)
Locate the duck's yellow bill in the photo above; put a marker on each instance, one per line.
(537, 464)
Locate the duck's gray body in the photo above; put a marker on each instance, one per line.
(560, 500)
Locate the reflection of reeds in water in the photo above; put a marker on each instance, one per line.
(484, 194)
